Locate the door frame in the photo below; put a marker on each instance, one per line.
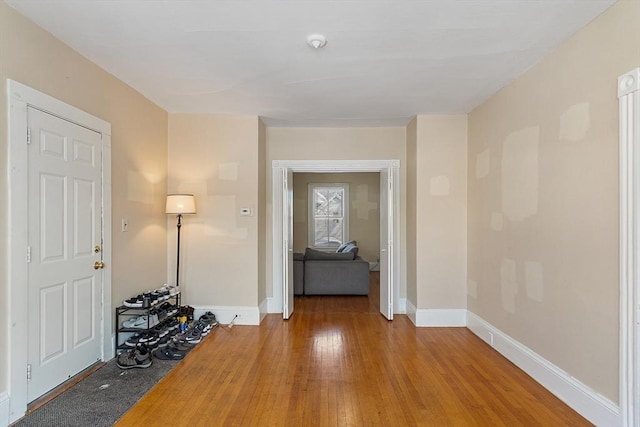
(333, 166)
(629, 110)
(20, 97)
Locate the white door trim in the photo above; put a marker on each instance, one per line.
(19, 98)
(629, 106)
(332, 166)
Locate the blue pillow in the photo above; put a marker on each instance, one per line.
(344, 245)
(351, 248)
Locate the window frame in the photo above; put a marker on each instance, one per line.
(311, 187)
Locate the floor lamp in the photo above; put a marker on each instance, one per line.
(180, 204)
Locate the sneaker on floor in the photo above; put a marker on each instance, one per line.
(139, 357)
(164, 341)
(169, 354)
(194, 336)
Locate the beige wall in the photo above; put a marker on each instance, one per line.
(364, 209)
(217, 159)
(543, 201)
(33, 57)
(411, 197)
(441, 217)
(261, 211)
(336, 144)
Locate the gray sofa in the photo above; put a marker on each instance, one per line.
(330, 273)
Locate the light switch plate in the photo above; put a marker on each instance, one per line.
(246, 212)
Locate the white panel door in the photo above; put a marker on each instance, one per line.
(65, 198)
(287, 253)
(386, 221)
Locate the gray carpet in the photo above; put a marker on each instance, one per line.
(101, 398)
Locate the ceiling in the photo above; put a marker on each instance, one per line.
(385, 61)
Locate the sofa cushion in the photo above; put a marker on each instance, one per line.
(344, 245)
(314, 255)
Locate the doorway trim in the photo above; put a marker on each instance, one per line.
(629, 107)
(19, 98)
(332, 166)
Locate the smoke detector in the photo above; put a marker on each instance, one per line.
(317, 41)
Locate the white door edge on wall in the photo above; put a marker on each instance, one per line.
(19, 98)
(629, 108)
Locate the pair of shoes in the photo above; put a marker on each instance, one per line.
(173, 324)
(209, 318)
(164, 341)
(173, 291)
(148, 338)
(169, 354)
(194, 336)
(141, 322)
(170, 309)
(135, 302)
(180, 345)
(139, 357)
(186, 310)
(203, 327)
(162, 330)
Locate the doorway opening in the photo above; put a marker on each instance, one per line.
(330, 211)
(282, 226)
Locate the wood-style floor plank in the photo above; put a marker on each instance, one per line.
(338, 362)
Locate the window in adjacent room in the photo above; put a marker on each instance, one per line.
(328, 215)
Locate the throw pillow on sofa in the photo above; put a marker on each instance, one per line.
(351, 248)
(314, 255)
(344, 245)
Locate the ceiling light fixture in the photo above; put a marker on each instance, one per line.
(316, 41)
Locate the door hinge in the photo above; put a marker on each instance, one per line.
(28, 135)
(28, 254)
(29, 372)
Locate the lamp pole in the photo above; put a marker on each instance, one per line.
(180, 204)
(178, 252)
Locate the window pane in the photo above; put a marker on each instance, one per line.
(328, 232)
(321, 232)
(335, 232)
(320, 205)
(327, 216)
(335, 202)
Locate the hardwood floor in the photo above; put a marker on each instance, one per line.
(338, 362)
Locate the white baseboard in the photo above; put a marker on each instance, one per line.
(263, 309)
(273, 307)
(453, 317)
(401, 306)
(225, 314)
(411, 311)
(594, 407)
(4, 409)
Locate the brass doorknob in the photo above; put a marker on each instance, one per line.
(98, 264)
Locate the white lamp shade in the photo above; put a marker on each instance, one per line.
(181, 204)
